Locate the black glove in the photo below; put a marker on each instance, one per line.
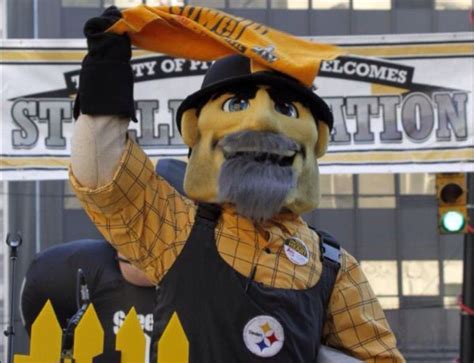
(106, 79)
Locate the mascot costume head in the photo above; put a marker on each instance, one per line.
(255, 136)
(255, 128)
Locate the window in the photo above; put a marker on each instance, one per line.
(122, 4)
(290, 4)
(248, 4)
(420, 278)
(417, 184)
(453, 4)
(371, 4)
(410, 4)
(70, 200)
(331, 4)
(216, 4)
(164, 2)
(383, 278)
(336, 191)
(336, 184)
(370, 184)
(81, 3)
(452, 274)
(376, 191)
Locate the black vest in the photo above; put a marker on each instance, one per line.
(215, 304)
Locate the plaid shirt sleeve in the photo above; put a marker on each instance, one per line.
(139, 213)
(356, 323)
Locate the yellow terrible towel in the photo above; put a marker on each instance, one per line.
(206, 34)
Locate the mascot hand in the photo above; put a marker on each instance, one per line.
(106, 79)
(104, 46)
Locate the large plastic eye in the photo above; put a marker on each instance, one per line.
(235, 104)
(287, 109)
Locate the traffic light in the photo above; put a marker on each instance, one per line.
(451, 193)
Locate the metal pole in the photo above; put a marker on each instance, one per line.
(467, 320)
(13, 243)
(10, 332)
(37, 217)
(6, 259)
(35, 19)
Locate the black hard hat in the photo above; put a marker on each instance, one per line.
(235, 70)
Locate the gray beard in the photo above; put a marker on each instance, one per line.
(258, 189)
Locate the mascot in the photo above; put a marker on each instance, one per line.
(247, 277)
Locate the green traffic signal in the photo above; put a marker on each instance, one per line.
(451, 193)
(453, 221)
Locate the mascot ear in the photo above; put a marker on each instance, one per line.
(323, 139)
(189, 129)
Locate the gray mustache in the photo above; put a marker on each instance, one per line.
(256, 185)
(259, 142)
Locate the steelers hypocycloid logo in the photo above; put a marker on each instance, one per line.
(264, 336)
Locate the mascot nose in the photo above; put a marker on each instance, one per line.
(263, 116)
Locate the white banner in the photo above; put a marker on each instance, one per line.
(401, 103)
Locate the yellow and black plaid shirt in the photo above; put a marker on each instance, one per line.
(149, 222)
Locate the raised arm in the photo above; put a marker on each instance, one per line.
(105, 102)
(138, 212)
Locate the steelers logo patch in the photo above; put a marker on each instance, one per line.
(296, 251)
(264, 336)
